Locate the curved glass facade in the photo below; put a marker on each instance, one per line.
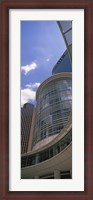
(48, 153)
(54, 105)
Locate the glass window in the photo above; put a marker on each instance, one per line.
(68, 36)
(66, 25)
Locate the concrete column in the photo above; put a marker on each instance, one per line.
(36, 177)
(53, 151)
(57, 174)
(37, 158)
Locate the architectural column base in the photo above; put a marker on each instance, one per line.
(36, 177)
(57, 174)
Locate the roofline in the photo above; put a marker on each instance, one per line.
(51, 78)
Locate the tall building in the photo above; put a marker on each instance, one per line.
(66, 31)
(26, 119)
(63, 64)
(49, 154)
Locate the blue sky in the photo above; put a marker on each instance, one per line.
(41, 47)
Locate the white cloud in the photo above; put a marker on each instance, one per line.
(28, 68)
(33, 85)
(28, 93)
(48, 59)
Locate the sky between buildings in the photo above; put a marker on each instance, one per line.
(42, 45)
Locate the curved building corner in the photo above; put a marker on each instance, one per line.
(51, 154)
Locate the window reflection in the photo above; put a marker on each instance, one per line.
(54, 106)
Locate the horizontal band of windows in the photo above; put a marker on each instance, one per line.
(46, 115)
(48, 153)
(56, 98)
(51, 128)
(55, 85)
(55, 123)
(51, 121)
(53, 94)
(63, 105)
(54, 119)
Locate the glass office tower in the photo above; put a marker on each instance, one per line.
(26, 120)
(66, 30)
(63, 64)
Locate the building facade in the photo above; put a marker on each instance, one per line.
(66, 31)
(54, 105)
(49, 154)
(26, 119)
(63, 64)
(52, 132)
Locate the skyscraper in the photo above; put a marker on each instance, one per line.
(63, 64)
(26, 120)
(66, 30)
